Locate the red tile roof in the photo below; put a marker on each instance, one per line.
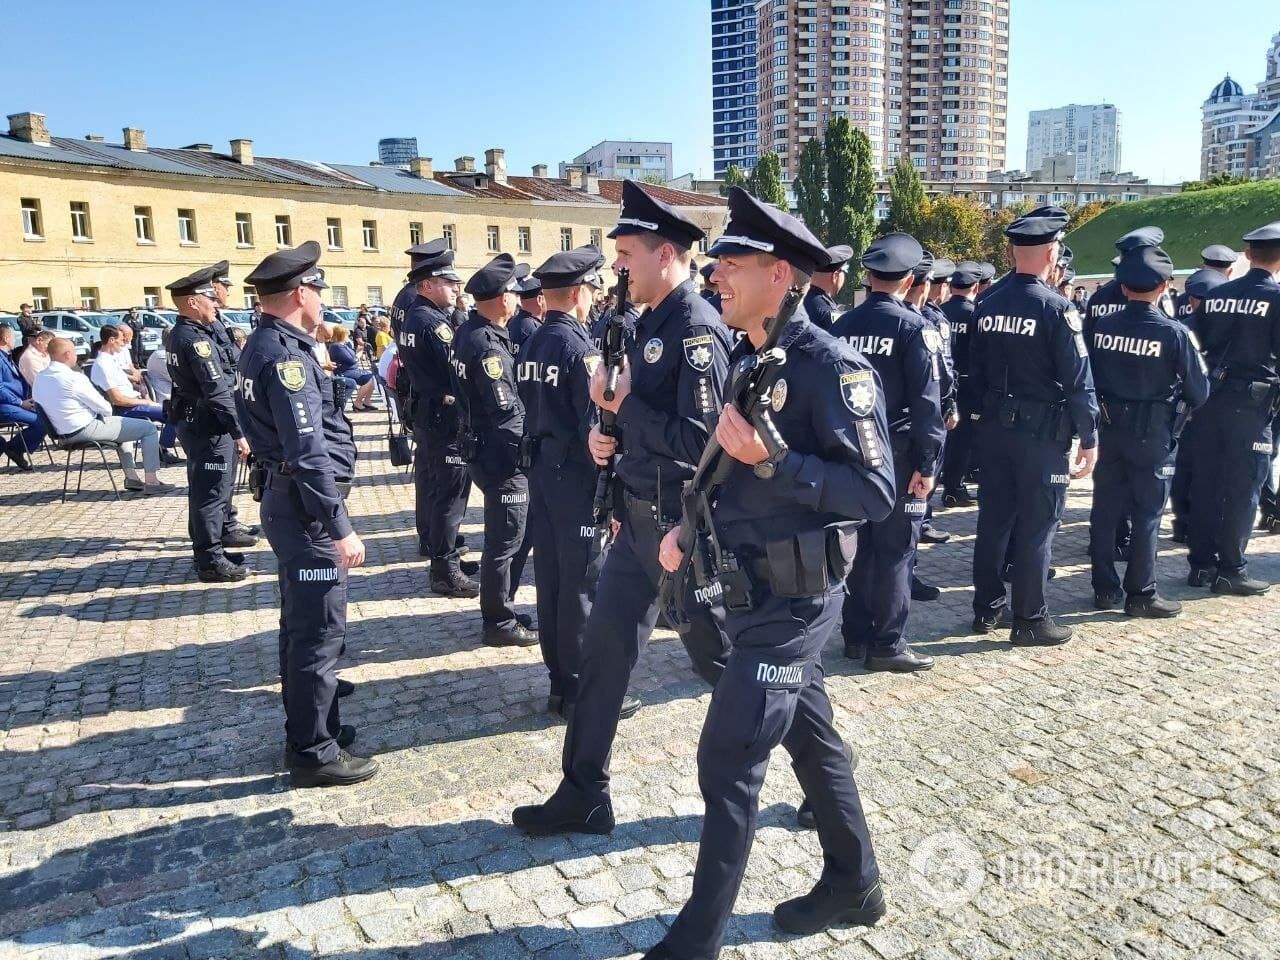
(611, 190)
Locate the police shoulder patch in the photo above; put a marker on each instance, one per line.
(697, 351)
(492, 366)
(1074, 323)
(203, 349)
(444, 331)
(858, 391)
(932, 339)
(591, 361)
(292, 374)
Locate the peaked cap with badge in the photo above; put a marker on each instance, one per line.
(1218, 255)
(434, 259)
(570, 268)
(756, 227)
(200, 282)
(495, 278)
(1264, 238)
(642, 213)
(893, 256)
(287, 269)
(1042, 225)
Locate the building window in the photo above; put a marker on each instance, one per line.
(88, 298)
(334, 228)
(524, 236)
(597, 237)
(244, 230)
(41, 298)
(375, 297)
(250, 297)
(284, 232)
(142, 224)
(415, 233)
(80, 221)
(566, 238)
(494, 238)
(151, 297)
(450, 236)
(187, 226)
(370, 230)
(339, 295)
(32, 224)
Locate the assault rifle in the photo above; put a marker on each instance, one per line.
(749, 390)
(613, 353)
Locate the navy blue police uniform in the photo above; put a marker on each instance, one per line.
(404, 299)
(304, 445)
(1240, 331)
(836, 473)
(677, 361)
(959, 311)
(492, 425)
(1029, 363)
(524, 324)
(905, 352)
(709, 293)
(820, 306)
(1216, 259)
(203, 410)
(441, 481)
(235, 533)
(555, 367)
(1109, 298)
(1149, 376)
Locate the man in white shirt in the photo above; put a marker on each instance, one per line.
(109, 376)
(77, 411)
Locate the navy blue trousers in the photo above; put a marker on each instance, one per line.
(1131, 480)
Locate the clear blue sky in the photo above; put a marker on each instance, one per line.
(548, 78)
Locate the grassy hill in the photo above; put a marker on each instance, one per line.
(1190, 221)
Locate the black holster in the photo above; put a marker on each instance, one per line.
(810, 562)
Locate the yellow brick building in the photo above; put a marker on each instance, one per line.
(93, 224)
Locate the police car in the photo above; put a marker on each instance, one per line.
(341, 315)
(154, 324)
(79, 326)
(239, 319)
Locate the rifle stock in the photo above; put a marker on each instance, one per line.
(613, 353)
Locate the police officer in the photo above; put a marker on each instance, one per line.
(441, 483)
(666, 402)
(1240, 331)
(709, 292)
(836, 473)
(1216, 259)
(1149, 376)
(931, 310)
(304, 444)
(492, 430)
(556, 366)
(825, 286)
(404, 299)
(905, 352)
(1028, 361)
(135, 324)
(1109, 298)
(530, 311)
(236, 533)
(958, 310)
(203, 410)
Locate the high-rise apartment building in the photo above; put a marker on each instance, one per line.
(1240, 132)
(922, 78)
(397, 151)
(1088, 133)
(733, 84)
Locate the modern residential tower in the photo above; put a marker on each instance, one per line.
(1090, 133)
(733, 84)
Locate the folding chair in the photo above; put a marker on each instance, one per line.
(62, 442)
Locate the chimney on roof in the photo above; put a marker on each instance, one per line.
(539, 169)
(29, 127)
(576, 177)
(465, 165)
(135, 138)
(421, 167)
(591, 184)
(242, 152)
(94, 138)
(495, 164)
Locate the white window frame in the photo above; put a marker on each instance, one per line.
(188, 235)
(32, 219)
(81, 225)
(142, 225)
(369, 234)
(244, 229)
(284, 230)
(333, 231)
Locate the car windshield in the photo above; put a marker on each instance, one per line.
(98, 319)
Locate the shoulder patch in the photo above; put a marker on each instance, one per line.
(492, 367)
(591, 361)
(1074, 323)
(858, 391)
(203, 349)
(292, 374)
(697, 350)
(444, 331)
(932, 339)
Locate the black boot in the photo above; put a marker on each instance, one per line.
(452, 583)
(222, 570)
(1154, 607)
(923, 592)
(824, 907)
(563, 816)
(341, 771)
(1179, 534)
(1108, 601)
(345, 688)
(508, 635)
(1038, 633)
(1240, 585)
(1201, 577)
(908, 661)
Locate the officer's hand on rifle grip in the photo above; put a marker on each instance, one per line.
(739, 438)
(601, 446)
(669, 553)
(623, 387)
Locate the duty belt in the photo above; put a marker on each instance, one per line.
(643, 506)
(282, 479)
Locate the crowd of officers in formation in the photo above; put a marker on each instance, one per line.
(942, 370)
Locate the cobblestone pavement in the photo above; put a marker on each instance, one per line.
(1115, 797)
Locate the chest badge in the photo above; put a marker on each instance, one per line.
(653, 350)
(292, 374)
(444, 332)
(203, 349)
(697, 350)
(492, 367)
(778, 398)
(858, 390)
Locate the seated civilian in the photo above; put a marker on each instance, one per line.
(342, 387)
(344, 360)
(124, 358)
(78, 412)
(36, 357)
(16, 405)
(109, 376)
(158, 371)
(239, 338)
(382, 339)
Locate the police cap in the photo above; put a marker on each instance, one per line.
(199, 282)
(966, 274)
(1042, 225)
(988, 271)
(837, 257)
(756, 227)
(495, 278)
(571, 268)
(893, 256)
(286, 269)
(1144, 268)
(642, 213)
(923, 270)
(943, 268)
(527, 285)
(1218, 255)
(436, 261)
(707, 270)
(1264, 238)
(1066, 257)
(424, 251)
(221, 273)
(1202, 282)
(1142, 237)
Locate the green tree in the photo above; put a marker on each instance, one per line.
(906, 199)
(766, 181)
(995, 247)
(954, 226)
(841, 171)
(864, 208)
(1083, 213)
(811, 188)
(733, 177)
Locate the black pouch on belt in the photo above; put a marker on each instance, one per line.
(842, 547)
(798, 564)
